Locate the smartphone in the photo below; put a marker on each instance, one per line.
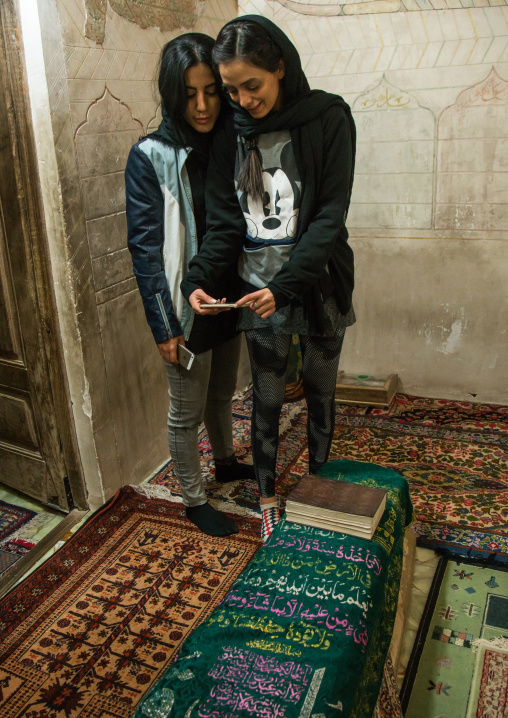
(218, 305)
(185, 356)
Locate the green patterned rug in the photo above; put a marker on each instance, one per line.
(459, 665)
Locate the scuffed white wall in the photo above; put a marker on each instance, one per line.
(428, 84)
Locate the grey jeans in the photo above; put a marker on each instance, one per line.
(201, 393)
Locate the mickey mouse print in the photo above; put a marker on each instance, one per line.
(271, 223)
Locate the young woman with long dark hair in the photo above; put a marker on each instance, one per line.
(165, 189)
(278, 194)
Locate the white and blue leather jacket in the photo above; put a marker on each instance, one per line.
(161, 233)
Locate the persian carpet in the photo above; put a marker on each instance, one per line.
(88, 632)
(489, 690)
(243, 498)
(454, 456)
(460, 661)
(12, 518)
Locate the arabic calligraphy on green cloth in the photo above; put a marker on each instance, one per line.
(305, 629)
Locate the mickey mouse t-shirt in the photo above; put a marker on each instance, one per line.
(270, 237)
(271, 222)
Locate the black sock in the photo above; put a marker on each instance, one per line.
(233, 472)
(210, 521)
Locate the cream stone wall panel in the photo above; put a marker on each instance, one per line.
(407, 157)
(85, 90)
(376, 216)
(104, 65)
(117, 66)
(104, 195)
(72, 19)
(143, 111)
(137, 380)
(470, 216)
(478, 115)
(112, 268)
(475, 155)
(94, 160)
(155, 120)
(393, 188)
(129, 68)
(90, 61)
(442, 332)
(131, 90)
(116, 290)
(107, 234)
(497, 52)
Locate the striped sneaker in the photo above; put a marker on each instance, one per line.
(270, 517)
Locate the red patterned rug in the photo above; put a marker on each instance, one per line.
(453, 454)
(12, 518)
(88, 633)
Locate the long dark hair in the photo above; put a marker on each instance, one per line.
(248, 41)
(177, 56)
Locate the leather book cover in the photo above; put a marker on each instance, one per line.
(338, 496)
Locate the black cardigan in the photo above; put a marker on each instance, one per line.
(321, 263)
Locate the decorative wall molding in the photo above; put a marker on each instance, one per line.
(320, 8)
(161, 14)
(108, 114)
(385, 96)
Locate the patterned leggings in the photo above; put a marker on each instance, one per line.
(268, 357)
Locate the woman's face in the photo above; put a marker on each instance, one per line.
(258, 91)
(203, 100)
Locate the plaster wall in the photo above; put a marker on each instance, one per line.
(90, 67)
(428, 84)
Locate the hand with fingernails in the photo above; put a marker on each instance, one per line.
(199, 297)
(262, 302)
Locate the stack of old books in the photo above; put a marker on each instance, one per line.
(333, 505)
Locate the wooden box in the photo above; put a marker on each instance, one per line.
(365, 390)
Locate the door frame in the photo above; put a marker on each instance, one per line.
(24, 156)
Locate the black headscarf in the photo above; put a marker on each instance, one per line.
(183, 136)
(301, 104)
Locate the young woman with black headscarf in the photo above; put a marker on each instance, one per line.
(165, 191)
(278, 193)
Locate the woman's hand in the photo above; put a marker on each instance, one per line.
(261, 302)
(169, 349)
(199, 297)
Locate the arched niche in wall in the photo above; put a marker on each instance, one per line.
(102, 143)
(472, 152)
(395, 160)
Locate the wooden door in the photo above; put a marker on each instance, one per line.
(37, 451)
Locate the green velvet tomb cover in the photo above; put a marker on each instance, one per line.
(305, 630)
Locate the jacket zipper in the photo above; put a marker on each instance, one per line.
(164, 316)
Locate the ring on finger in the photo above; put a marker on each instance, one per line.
(255, 305)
